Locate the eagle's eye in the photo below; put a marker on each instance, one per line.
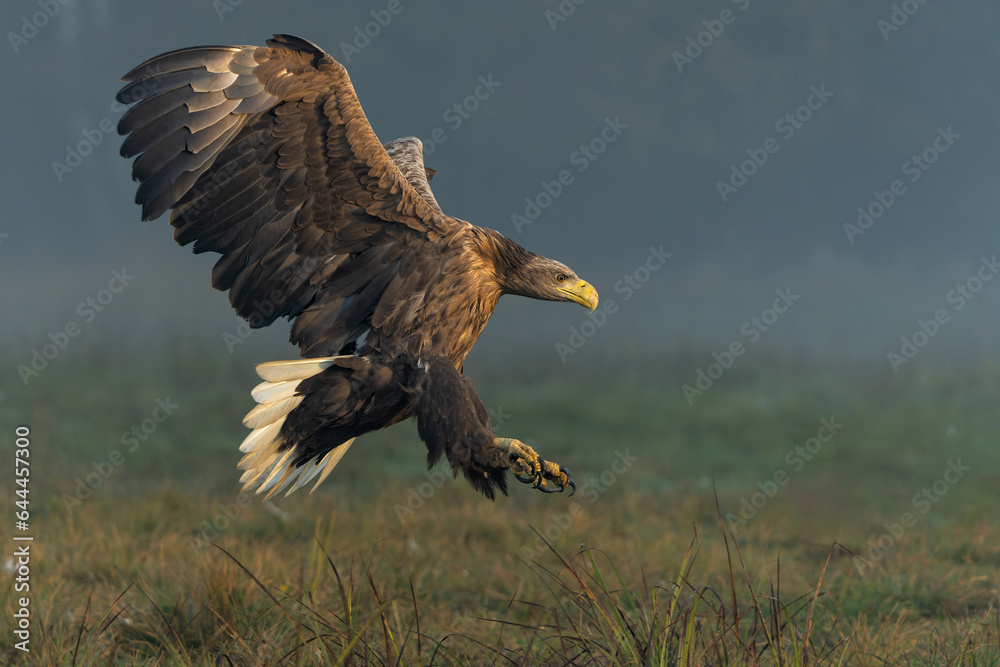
(561, 277)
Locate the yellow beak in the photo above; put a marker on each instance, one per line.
(583, 294)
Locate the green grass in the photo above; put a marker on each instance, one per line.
(165, 563)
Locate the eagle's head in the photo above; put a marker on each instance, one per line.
(547, 279)
(519, 271)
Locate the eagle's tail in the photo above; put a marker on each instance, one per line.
(265, 463)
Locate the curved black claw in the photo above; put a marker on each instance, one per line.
(541, 480)
(526, 479)
(543, 487)
(540, 477)
(569, 480)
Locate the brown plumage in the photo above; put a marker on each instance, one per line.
(264, 156)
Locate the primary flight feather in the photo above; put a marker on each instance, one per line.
(264, 156)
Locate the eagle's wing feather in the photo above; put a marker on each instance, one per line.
(408, 155)
(266, 157)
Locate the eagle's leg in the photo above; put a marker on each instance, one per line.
(530, 468)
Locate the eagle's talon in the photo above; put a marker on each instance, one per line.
(530, 468)
(560, 481)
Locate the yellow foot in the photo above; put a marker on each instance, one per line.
(530, 468)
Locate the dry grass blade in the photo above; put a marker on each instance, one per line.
(79, 636)
(257, 581)
(389, 643)
(416, 619)
(166, 622)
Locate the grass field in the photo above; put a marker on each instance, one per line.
(791, 515)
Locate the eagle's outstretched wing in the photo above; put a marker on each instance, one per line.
(266, 157)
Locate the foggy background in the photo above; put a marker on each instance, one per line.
(561, 77)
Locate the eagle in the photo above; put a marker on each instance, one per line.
(264, 156)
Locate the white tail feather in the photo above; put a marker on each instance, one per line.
(309, 471)
(270, 413)
(280, 467)
(268, 392)
(259, 465)
(300, 369)
(278, 398)
(261, 437)
(284, 474)
(332, 459)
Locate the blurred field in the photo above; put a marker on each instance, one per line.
(161, 561)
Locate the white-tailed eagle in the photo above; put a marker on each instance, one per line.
(264, 156)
